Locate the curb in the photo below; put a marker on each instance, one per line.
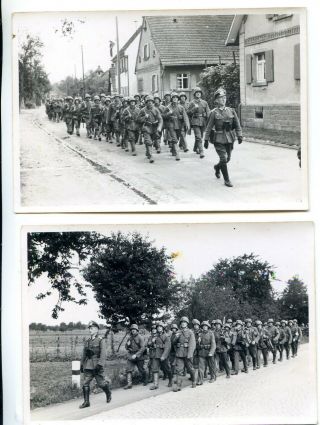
(270, 143)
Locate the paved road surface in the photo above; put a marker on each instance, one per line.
(58, 171)
(282, 393)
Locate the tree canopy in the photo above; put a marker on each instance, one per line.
(294, 300)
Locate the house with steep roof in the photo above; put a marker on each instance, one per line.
(269, 69)
(174, 50)
(127, 55)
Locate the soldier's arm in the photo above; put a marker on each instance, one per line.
(142, 116)
(103, 352)
(213, 345)
(185, 118)
(290, 335)
(276, 338)
(192, 345)
(191, 108)
(236, 124)
(160, 121)
(209, 127)
(84, 355)
(207, 110)
(142, 347)
(167, 348)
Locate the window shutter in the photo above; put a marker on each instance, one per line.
(297, 61)
(269, 66)
(173, 81)
(248, 69)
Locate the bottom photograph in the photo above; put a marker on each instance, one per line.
(170, 321)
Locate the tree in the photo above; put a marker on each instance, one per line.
(94, 83)
(294, 301)
(239, 287)
(33, 80)
(130, 278)
(226, 76)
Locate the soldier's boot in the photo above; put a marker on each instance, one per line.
(155, 385)
(175, 383)
(149, 154)
(145, 378)
(126, 147)
(157, 146)
(280, 358)
(194, 376)
(200, 145)
(170, 382)
(179, 383)
(107, 391)
(140, 139)
(175, 152)
(224, 170)
(133, 149)
(274, 358)
(129, 381)
(195, 146)
(118, 140)
(150, 376)
(86, 392)
(217, 170)
(200, 377)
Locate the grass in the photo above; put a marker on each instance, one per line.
(289, 138)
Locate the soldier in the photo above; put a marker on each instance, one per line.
(130, 118)
(185, 345)
(114, 117)
(295, 335)
(172, 356)
(206, 350)
(124, 133)
(152, 122)
(184, 130)
(92, 364)
(288, 341)
(166, 102)
(161, 344)
(86, 114)
(96, 117)
(135, 346)
(198, 112)
(151, 349)
(281, 341)
(176, 119)
(274, 338)
(76, 115)
(299, 336)
(197, 333)
(226, 129)
(67, 113)
(263, 344)
(240, 344)
(223, 342)
(253, 338)
(57, 109)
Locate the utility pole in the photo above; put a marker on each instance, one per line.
(84, 84)
(118, 58)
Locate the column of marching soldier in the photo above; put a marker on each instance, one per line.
(201, 351)
(146, 119)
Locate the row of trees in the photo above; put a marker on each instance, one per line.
(134, 281)
(62, 327)
(34, 83)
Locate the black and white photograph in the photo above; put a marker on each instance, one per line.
(186, 110)
(169, 321)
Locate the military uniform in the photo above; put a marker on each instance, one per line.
(253, 338)
(152, 122)
(274, 338)
(67, 113)
(184, 130)
(96, 118)
(263, 345)
(198, 112)
(92, 366)
(222, 129)
(136, 347)
(206, 350)
(76, 115)
(114, 118)
(288, 338)
(177, 119)
(240, 344)
(86, 114)
(130, 117)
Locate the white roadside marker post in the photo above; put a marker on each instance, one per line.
(76, 373)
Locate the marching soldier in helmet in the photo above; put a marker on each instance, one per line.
(96, 117)
(184, 130)
(223, 342)
(295, 335)
(185, 345)
(166, 102)
(67, 113)
(198, 112)
(86, 114)
(76, 115)
(57, 109)
(151, 121)
(172, 356)
(158, 105)
(263, 344)
(135, 346)
(240, 344)
(253, 338)
(151, 349)
(281, 341)
(197, 332)
(114, 117)
(161, 345)
(177, 119)
(298, 332)
(224, 123)
(274, 338)
(130, 118)
(105, 126)
(288, 340)
(206, 350)
(92, 364)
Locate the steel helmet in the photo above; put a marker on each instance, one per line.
(161, 324)
(239, 322)
(220, 92)
(258, 322)
(134, 326)
(227, 325)
(270, 320)
(197, 90)
(69, 98)
(174, 94)
(174, 326)
(248, 320)
(87, 96)
(102, 95)
(156, 96)
(149, 97)
(137, 95)
(96, 97)
(167, 93)
(184, 319)
(205, 323)
(195, 322)
(182, 94)
(131, 99)
(218, 322)
(213, 322)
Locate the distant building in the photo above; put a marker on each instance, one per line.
(269, 69)
(174, 50)
(127, 55)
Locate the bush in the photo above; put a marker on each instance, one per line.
(30, 105)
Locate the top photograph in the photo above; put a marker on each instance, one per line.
(160, 111)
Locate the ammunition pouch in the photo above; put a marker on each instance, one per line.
(89, 353)
(205, 347)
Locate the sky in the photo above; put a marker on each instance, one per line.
(62, 54)
(287, 246)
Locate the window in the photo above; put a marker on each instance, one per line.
(154, 83)
(182, 81)
(259, 112)
(154, 54)
(140, 84)
(261, 68)
(146, 52)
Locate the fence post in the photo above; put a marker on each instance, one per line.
(76, 373)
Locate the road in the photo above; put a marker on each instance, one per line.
(65, 173)
(282, 393)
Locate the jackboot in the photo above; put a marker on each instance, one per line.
(155, 385)
(145, 378)
(194, 375)
(107, 391)
(217, 170)
(129, 381)
(175, 383)
(86, 392)
(170, 382)
(224, 170)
